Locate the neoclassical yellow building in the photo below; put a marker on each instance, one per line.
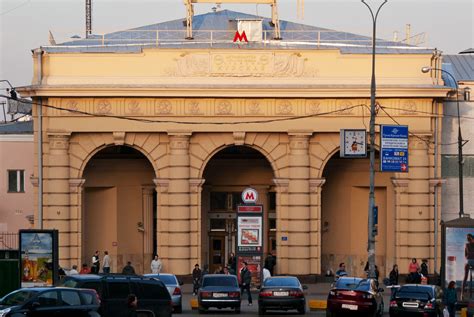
(149, 138)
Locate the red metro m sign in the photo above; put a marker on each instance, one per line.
(249, 196)
(240, 37)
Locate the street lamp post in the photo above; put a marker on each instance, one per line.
(371, 233)
(461, 143)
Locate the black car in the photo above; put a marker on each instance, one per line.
(50, 302)
(417, 300)
(113, 291)
(281, 293)
(353, 295)
(219, 291)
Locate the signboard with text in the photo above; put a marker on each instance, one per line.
(394, 148)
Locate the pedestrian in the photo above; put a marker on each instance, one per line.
(266, 273)
(197, 277)
(73, 271)
(341, 271)
(450, 298)
(128, 269)
(424, 268)
(232, 263)
(226, 270)
(246, 278)
(413, 271)
(469, 264)
(106, 260)
(219, 270)
(95, 263)
(156, 265)
(393, 277)
(132, 303)
(85, 269)
(205, 270)
(270, 262)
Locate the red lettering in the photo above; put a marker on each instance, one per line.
(240, 37)
(249, 196)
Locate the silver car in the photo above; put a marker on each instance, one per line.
(174, 288)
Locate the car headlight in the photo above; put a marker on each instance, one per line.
(4, 312)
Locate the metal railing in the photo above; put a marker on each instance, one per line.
(8, 241)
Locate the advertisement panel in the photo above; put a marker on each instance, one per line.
(38, 257)
(249, 234)
(459, 253)
(394, 148)
(254, 265)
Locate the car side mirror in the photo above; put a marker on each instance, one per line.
(305, 287)
(34, 305)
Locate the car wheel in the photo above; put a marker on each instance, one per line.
(261, 310)
(178, 309)
(302, 310)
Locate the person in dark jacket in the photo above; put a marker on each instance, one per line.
(450, 298)
(232, 263)
(270, 262)
(424, 268)
(132, 302)
(128, 269)
(246, 278)
(393, 277)
(197, 276)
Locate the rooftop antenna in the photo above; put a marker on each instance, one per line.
(88, 18)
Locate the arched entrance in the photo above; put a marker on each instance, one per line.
(227, 173)
(345, 199)
(119, 213)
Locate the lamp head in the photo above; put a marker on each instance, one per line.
(425, 69)
(467, 94)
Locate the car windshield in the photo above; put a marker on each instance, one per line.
(167, 279)
(68, 283)
(219, 281)
(414, 292)
(292, 282)
(347, 283)
(18, 298)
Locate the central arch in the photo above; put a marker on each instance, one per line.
(226, 174)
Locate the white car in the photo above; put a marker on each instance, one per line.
(174, 288)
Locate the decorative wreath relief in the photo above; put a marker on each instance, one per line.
(285, 107)
(224, 107)
(163, 107)
(104, 107)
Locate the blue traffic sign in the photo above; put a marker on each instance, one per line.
(394, 148)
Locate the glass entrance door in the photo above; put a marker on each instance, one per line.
(217, 252)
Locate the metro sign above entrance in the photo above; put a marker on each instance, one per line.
(249, 196)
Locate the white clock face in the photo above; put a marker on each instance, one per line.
(355, 142)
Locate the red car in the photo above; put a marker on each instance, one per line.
(353, 295)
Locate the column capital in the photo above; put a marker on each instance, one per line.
(435, 182)
(148, 189)
(75, 184)
(195, 184)
(281, 184)
(316, 183)
(179, 141)
(161, 184)
(59, 140)
(400, 182)
(299, 141)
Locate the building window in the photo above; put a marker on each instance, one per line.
(16, 181)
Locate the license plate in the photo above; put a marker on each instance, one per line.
(280, 293)
(219, 295)
(350, 307)
(410, 305)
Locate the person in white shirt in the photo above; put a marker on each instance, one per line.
(156, 265)
(266, 273)
(73, 271)
(106, 261)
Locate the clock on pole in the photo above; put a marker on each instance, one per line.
(353, 143)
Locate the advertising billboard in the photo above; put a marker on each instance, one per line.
(38, 257)
(249, 234)
(254, 265)
(459, 253)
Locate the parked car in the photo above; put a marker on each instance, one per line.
(50, 302)
(174, 288)
(219, 291)
(281, 293)
(417, 300)
(355, 295)
(113, 290)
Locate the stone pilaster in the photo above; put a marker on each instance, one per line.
(299, 205)
(435, 187)
(76, 188)
(56, 211)
(281, 187)
(161, 188)
(315, 186)
(195, 186)
(401, 213)
(179, 229)
(147, 206)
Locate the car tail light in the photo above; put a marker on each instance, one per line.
(96, 296)
(393, 303)
(234, 294)
(429, 305)
(266, 294)
(177, 291)
(296, 293)
(332, 293)
(206, 294)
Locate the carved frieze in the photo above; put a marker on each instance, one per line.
(193, 107)
(163, 107)
(284, 107)
(224, 108)
(103, 107)
(133, 107)
(71, 105)
(345, 108)
(408, 107)
(241, 65)
(313, 107)
(253, 107)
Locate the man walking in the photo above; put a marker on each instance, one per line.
(106, 260)
(270, 262)
(156, 265)
(246, 278)
(95, 263)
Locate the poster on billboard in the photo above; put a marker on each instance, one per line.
(459, 253)
(38, 257)
(249, 237)
(254, 265)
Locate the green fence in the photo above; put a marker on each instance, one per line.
(9, 272)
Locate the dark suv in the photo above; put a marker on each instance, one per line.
(50, 302)
(113, 290)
